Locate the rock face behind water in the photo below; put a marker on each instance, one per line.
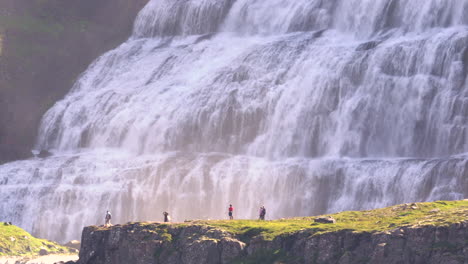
(142, 243)
(44, 47)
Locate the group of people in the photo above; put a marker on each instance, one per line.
(262, 212)
(167, 217)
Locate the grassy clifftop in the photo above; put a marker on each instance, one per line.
(426, 233)
(15, 241)
(441, 213)
(437, 214)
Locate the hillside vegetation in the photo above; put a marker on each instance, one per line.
(15, 241)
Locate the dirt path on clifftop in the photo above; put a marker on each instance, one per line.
(51, 259)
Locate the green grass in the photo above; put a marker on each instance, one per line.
(446, 213)
(15, 241)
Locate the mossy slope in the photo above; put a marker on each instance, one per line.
(15, 241)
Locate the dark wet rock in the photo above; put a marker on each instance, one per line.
(43, 252)
(44, 154)
(368, 45)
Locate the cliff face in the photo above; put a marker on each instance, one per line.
(44, 46)
(158, 243)
(418, 233)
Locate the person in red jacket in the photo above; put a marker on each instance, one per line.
(231, 211)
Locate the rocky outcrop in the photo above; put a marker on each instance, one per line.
(325, 220)
(158, 243)
(187, 244)
(44, 46)
(74, 244)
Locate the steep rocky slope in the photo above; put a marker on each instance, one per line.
(418, 233)
(44, 46)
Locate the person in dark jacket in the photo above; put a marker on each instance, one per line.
(108, 219)
(167, 218)
(262, 213)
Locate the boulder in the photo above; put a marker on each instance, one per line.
(231, 248)
(43, 252)
(73, 244)
(44, 154)
(325, 220)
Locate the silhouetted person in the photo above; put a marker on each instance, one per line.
(231, 212)
(262, 213)
(108, 218)
(167, 218)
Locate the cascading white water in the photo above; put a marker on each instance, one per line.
(305, 106)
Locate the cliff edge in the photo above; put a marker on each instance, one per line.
(410, 233)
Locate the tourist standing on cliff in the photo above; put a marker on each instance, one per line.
(167, 218)
(231, 212)
(262, 213)
(108, 218)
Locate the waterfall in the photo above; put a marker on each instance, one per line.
(304, 106)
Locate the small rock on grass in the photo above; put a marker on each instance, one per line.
(325, 220)
(43, 252)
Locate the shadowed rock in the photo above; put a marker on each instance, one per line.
(325, 220)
